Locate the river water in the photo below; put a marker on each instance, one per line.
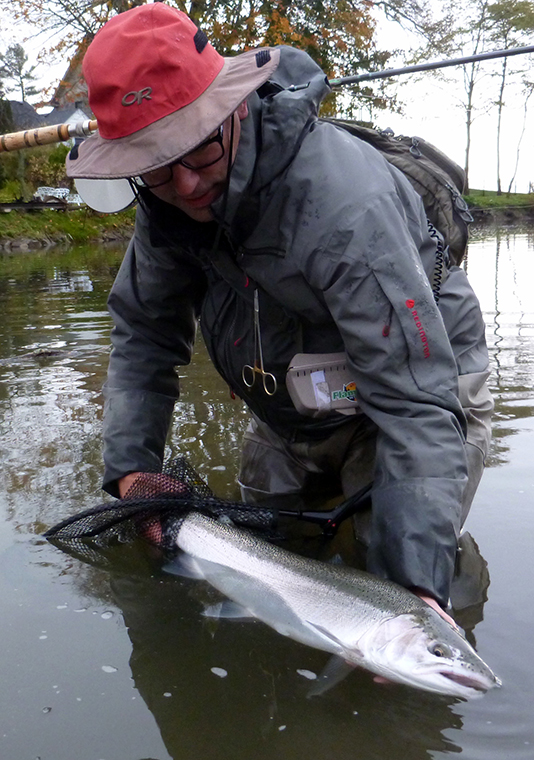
(117, 663)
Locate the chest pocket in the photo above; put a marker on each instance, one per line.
(227, 323)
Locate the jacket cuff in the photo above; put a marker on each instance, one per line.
(414, 534)
(135, 430)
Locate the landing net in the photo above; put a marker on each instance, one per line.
(155, 507)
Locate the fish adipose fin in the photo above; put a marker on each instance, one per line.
(335, 671)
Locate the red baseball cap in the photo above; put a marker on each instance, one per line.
(158, 89)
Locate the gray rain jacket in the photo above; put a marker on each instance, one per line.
(336, 242)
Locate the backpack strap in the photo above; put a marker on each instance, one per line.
(435, 177)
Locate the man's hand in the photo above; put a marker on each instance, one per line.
(139, 484)
(149, 484)
(124, 484)
(435, 606)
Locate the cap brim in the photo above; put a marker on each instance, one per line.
(174, 135)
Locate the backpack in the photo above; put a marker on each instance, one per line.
(438, 180)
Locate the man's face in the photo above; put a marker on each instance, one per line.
(194, 190)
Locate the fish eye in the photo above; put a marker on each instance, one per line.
(439, 650)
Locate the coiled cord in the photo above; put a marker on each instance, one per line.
(440, 265)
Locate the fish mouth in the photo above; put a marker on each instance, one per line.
(468, 682)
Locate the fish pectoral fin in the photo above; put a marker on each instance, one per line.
(335, 671)
(327, 634)
(185, 566)
(228, 610)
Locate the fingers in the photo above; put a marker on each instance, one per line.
(125, 483)
(148, 485)
(138, 484)
(435, 606)
(153, 532)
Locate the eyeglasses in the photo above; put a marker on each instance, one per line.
(207, 154)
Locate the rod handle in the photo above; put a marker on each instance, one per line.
(30, 138)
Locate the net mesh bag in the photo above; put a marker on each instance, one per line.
(154, 508)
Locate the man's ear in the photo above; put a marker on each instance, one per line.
(242, 110)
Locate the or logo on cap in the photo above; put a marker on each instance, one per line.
(137, 97)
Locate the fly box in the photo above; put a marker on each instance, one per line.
(321, 383)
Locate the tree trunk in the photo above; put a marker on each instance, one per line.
(525, 113)
(499, 123)
(468, 123)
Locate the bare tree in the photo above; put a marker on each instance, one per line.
(510, 24)
(475, 32)
(528, 90)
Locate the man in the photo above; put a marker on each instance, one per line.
(286, 236)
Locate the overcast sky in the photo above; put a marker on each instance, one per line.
(433, 110)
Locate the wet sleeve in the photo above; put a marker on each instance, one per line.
(154, 304)
(406, 377)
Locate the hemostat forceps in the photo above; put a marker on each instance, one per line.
(250, 371)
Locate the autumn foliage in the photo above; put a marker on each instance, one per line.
(337, 34)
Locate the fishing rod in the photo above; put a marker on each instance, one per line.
(429, 66)
(32, 138)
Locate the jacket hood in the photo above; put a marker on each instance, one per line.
(287, 114)
(277, 122)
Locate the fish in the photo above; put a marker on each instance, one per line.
(363, 620)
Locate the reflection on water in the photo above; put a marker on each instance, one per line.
(501, 269)
(118, 662)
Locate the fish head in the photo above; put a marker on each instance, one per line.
(423, 650)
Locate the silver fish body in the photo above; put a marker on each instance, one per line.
(366, 621)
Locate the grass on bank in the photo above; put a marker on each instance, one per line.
(82, 225)
(77, 225)
(488, 199)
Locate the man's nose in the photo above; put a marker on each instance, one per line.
(184, 180)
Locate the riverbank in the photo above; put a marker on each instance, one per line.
(28, 230)
(487, 207)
